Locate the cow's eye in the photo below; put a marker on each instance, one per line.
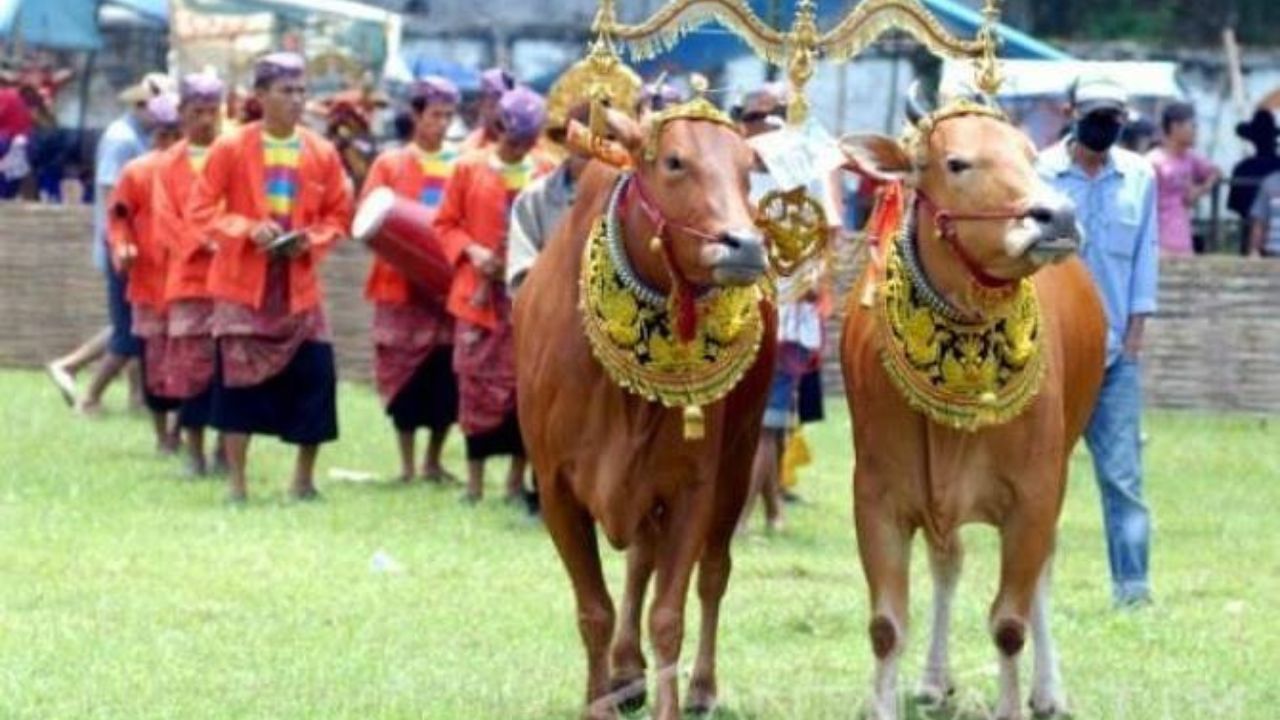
(673, 163)
(955, 166)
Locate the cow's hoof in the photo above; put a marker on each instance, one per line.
(935, 692)
(1048, 708)
(629, 694)
(700, 705)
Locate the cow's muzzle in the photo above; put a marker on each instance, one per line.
(736, 257)
(1057, 234)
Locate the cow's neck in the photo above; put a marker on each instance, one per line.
(638, 232)
(942, 270)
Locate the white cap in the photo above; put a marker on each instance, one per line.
(1097, 92)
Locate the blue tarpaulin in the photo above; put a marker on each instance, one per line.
(67, 24)
(61, 24)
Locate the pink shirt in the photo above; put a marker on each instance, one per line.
(1175, 174)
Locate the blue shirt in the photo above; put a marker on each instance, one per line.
(122, 141)
(1117, 211)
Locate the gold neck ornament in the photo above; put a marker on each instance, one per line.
(965, 375)
(631, 330)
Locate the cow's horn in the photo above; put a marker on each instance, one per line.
(916, 107)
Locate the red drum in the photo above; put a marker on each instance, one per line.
(399, 231)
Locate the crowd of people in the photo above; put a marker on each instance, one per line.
(211, 235)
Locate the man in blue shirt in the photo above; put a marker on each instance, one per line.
(123, 140)
(1115, 195)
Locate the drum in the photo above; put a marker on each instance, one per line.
(399, 231)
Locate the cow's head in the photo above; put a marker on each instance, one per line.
(689, 192)
(977, 189)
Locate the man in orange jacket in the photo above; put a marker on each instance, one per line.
(139, 255)
(190, 353)
(413, 335)
(472, 225)
(274, 200)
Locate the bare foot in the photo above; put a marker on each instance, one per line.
(437, 474)
(64, 381)
(89, 408)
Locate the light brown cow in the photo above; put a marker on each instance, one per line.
(603, 455)
(982, 217)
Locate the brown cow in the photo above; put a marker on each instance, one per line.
(983, 220)
(604, 455)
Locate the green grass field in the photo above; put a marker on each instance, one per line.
(126, 592)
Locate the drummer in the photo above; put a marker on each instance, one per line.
(472, 225)
(274, 200)
(413, 335)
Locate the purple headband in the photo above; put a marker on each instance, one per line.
(496, 82)
(275, 66)
(163, 109)
(433, 90)
(200, 87)
(522, 112)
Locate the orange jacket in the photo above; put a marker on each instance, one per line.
(475, 209)
(129, 224)
(190, 252)
(229, 201)
(400, 170)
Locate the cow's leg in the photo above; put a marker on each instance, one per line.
(1026, 542)
(885, 548)
(945, 564)
(1047, 696)
(628, 680)
(574, 534)
(680, 541)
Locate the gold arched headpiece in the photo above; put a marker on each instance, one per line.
(917, 134)
(600, 78)
(699, 108)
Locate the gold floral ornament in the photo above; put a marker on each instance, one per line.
(795, 225)
(634, 337)
(601, 78)
(966, 376)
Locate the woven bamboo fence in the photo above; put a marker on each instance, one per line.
(1215, 344)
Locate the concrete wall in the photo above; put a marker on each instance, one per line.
(1214, 345)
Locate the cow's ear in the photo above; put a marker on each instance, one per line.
(878, 157)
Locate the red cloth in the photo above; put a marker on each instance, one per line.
(229, 200)
(257, 343)
(15, 116)
(191, 350)
(484, 359)
(150, 325)
(129, 223)
(404, 336)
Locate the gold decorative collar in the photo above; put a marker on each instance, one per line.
(633, 336)
(964, 375)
